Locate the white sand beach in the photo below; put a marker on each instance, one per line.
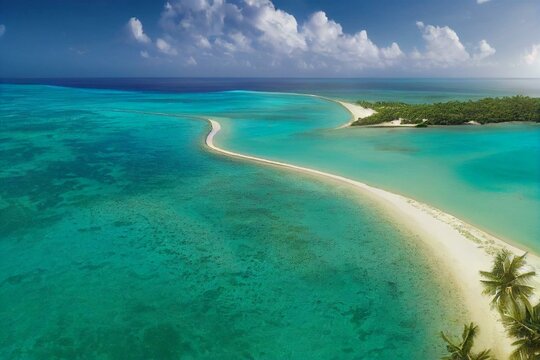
(360, 112)
(459, 248)
(393, 123)
(357, 111)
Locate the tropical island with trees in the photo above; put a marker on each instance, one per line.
(484, 111)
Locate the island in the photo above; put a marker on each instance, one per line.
(484, 111)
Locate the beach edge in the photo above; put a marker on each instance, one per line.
(462, 249)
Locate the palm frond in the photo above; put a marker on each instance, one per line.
(449, 343)
(469, 333)
(483, 355)
(463, 350)
(526, 276)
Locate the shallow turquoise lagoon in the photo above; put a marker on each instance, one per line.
(488, 176)
(123, 238)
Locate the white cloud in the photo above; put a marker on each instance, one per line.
(321, 33)
(254, 34)
(482, 1)
(202, 42)
(165, 47)
(135, 29)
(484, 50)
(277, 29)
(145, 54)
(240, 41)
(392, 52)
(207, 18)
(443, 47)
(2, 30)
(533, 55)
(325, 38)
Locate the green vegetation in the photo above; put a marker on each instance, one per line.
(463, 350)
(507, 284)
(488, 110)
(523, 323)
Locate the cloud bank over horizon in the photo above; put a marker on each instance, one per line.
(255, 35)
(270, 38)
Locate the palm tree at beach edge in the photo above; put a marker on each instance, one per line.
(463, 349)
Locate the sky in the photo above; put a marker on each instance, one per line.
(277, 38)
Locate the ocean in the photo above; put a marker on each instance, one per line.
(123, 237)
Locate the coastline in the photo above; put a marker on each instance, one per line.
(356, 111)
(359, 112)
(462, 249)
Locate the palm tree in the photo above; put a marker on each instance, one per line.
(523, 323)
(507, 282)
(463, 350)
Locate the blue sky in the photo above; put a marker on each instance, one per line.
(66, 38)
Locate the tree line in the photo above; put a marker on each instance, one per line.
(488, 110)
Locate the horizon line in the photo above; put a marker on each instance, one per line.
(269, 77)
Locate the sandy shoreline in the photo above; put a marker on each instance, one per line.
(460, 248)
(357, 112)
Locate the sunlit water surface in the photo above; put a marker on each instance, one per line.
(124, 238)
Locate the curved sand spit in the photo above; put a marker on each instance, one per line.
(461, 249)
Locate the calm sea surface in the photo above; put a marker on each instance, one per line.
(122, 237)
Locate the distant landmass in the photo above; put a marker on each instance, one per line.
(488, 110)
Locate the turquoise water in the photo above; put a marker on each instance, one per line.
(123, 238)
(488, 176)
(415, 90)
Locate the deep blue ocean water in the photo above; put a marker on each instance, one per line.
(402, 89)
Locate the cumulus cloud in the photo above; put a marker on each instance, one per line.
(136, 31)
(533, 55)
(443, 46)
(325, 38)
(277, 29)
(484, 50)
(2, 30)
(254, 34)
(443, 49)
(165, 47)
